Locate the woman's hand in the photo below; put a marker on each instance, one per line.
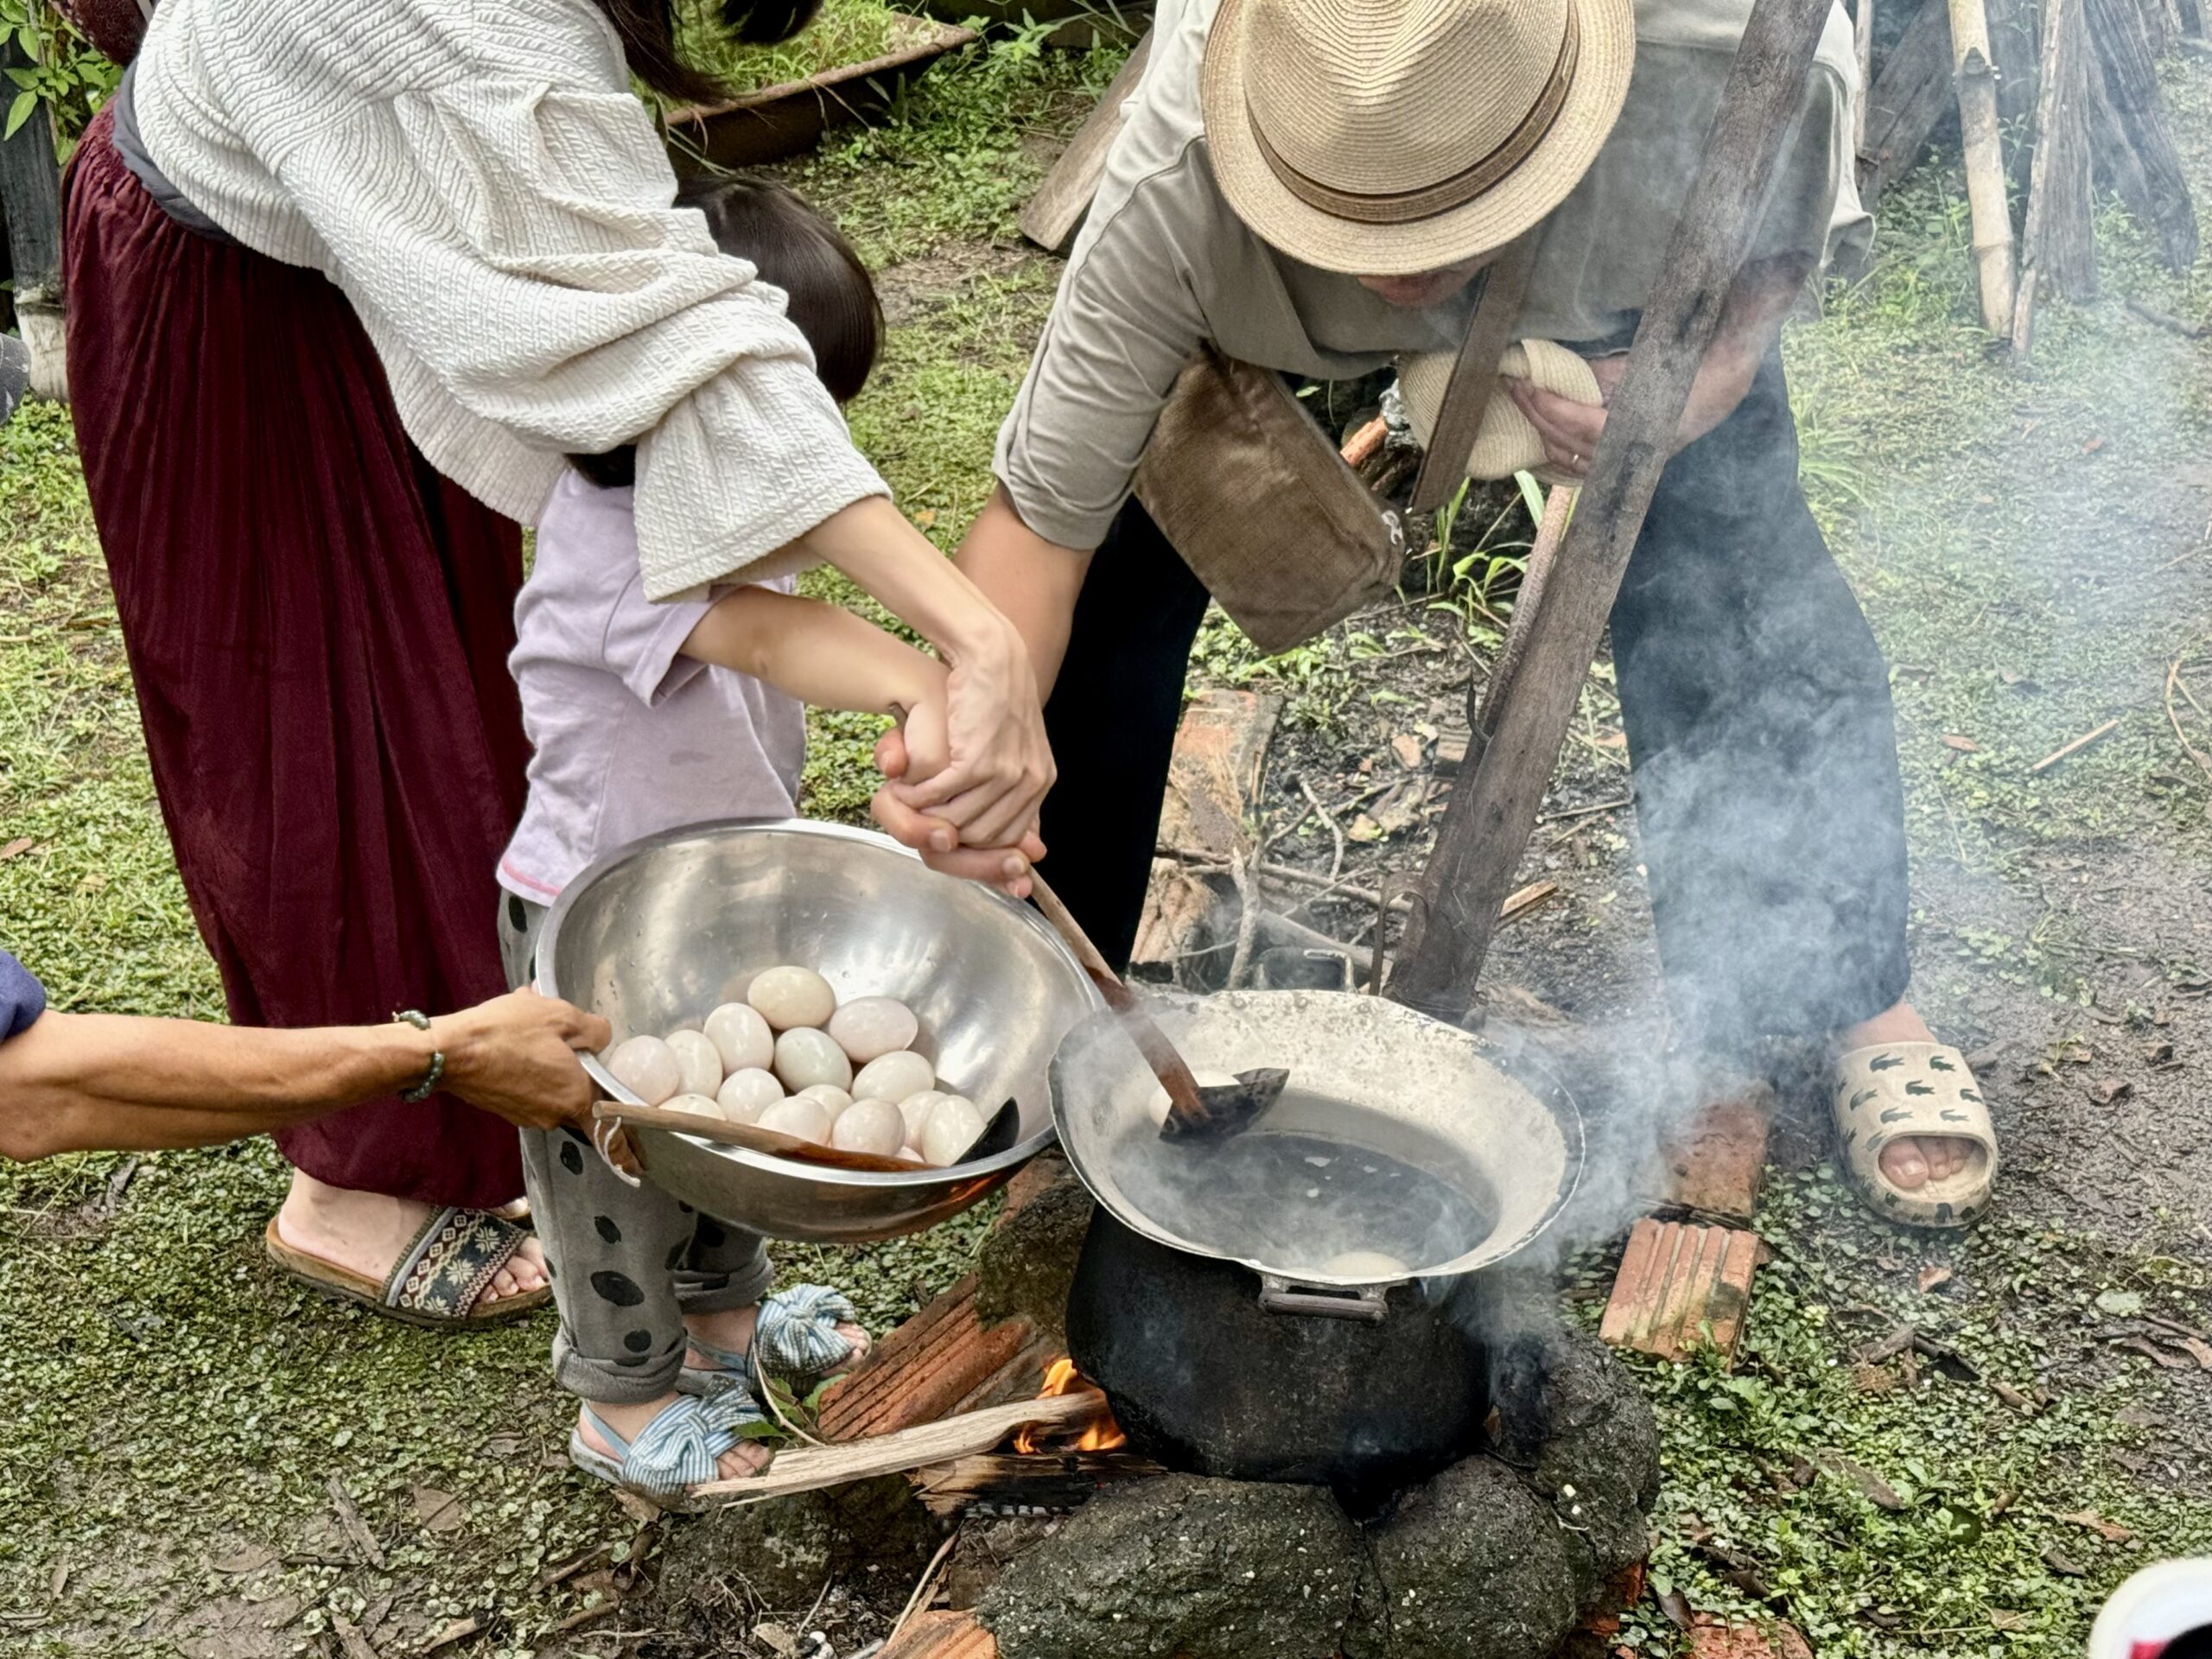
(516, 1056)
(1006, 867)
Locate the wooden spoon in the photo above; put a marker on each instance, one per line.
(1223, 1110)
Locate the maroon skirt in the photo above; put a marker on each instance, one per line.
(318, 626)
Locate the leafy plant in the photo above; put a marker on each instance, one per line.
(64, 72)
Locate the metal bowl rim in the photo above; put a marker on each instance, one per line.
(1554, 1094)
(826, 1174)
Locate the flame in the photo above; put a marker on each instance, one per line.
(1104, 1434)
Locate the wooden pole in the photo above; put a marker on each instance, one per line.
(30, 203)
(1976, 75)
(1862, 29)
(2059, 244)
(2128, 135)
(1487, 824)
(1903, 106)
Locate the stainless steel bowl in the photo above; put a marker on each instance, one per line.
(656, 935)
(1365, 1074)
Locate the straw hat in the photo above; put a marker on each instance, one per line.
(1388, 137)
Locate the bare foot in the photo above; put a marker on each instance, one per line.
(1915, 1160)
(732, 1332)
(747, 1457)
(368, 1231)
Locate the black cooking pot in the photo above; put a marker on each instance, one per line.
(1216, 1301)
(1209, 1371)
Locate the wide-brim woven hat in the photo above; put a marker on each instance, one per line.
(1389, 137)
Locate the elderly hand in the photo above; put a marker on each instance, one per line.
(1571, 430)
(1000, 763)
(940, 843)
(516, 1056)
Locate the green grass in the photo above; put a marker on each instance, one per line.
(846, 31)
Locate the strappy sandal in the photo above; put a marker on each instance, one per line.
(795, 1342)
(679, 1450)
(1892, 1091)
(437, 1279)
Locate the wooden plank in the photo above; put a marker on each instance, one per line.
(923, 1371)
(1906, 103)
(2130, 138)
(1054, 212)
(1213, 777)
(1474, 375)
(1486, 825)
(2058, 245)
(810, 1468)
(942, 1636)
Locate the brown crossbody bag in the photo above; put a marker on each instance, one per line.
(1245, 485)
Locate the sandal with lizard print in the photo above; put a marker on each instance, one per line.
(1890, 1092)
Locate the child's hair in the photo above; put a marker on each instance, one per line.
(832, 300)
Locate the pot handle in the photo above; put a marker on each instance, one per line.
(1368, 1303)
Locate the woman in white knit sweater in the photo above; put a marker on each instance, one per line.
(347, 278)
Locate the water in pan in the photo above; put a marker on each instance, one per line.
(1295, 1200)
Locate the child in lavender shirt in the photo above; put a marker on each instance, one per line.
(645, 717)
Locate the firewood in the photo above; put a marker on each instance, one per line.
(1054, 212)
(810, 1468)
(1985, 161)
(2059, 244)
(2129, 137)
(1862, 31)
(2015, 50)
(1905, 104)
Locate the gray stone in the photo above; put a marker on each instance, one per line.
(1600, 1463)
(785, 1548)
(1183, 1567)
(1027, 1260)
(1473, 1566)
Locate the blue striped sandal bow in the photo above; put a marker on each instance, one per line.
(795, 1342)
(681, 1448)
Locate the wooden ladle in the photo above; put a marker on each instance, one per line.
(1208, 1113)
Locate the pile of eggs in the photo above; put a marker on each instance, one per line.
(790, 1059)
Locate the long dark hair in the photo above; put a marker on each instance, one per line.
(649, 30)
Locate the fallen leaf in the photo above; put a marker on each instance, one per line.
(1877, 1490)
(2060, 1562)
(1887, 1347)
(459, 1630)
(2111, 1531)
(2200, 1350)
(777, 1640)
(2137, 1417)
(2012, 1397)
(252, 1559)
(2093, 446)
(2018, 681)
(1407, 749)
(1963, 745)
(2160, 1056)
(437, 1511)
(1676, 1606)
(2165, 1357)
(1932, 1276)
(1613, 739)
(1874, 1379)
(2121, 1304)
(2001, 1620)
(1363, 828)
(925, 518)
(643, 1510)
(2112, 1090)
(16, 847)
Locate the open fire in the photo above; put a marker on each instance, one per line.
(1104, 1434)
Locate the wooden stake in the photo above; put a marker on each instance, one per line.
(1993, 213)
(2074, 747)
(2132, 144)
(1863, 39)
(1487, 824)
(1904, 105)
(2059, 244)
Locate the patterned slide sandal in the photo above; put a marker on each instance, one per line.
(437, 1279)
(1891, 1091)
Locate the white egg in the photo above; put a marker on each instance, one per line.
(697, 1105)
(869, 1126)
(916, 1109)
(832, 1099)
(1370, 1265)
(745, 1094)
(805, 1057)
(792, 996)
(895, 1075)
(873, 1026)
(798, 1117)
(741, 1037)
(700, 1060)
(647, 1068)
(952, 1129)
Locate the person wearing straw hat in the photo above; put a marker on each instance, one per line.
(1311, 186)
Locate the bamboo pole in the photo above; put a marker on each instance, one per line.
(1863, 38)
(1991, 213)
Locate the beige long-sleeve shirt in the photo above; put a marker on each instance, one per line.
(478, 178)
(1163, 261)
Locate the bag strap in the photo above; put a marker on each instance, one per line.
(1474, 374)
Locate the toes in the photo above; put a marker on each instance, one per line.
(742, 1462)
(1905, 1165)
(502, 1286)
(858, 1339)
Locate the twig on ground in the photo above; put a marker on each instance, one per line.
(2158, 319)
(2174, 682)
(1247, 921)
(1336, 829)
(575, 1621)
(350, 1639)
(2074, 747)
(921, 1589)
(1585, 812)
(349, 1520)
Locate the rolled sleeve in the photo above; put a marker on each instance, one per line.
(22, 999)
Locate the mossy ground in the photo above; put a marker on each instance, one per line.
(2031, 546)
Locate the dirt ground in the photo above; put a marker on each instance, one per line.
(2034, 548)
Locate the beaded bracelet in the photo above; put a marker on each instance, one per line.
(429, 1086)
